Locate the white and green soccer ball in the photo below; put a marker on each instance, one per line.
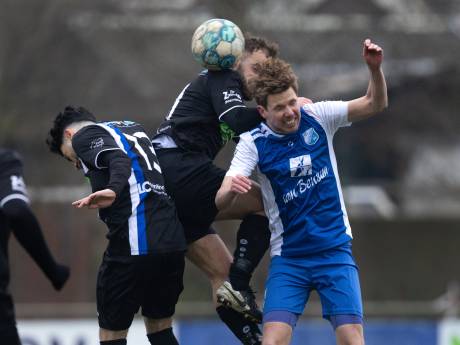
(217, 44)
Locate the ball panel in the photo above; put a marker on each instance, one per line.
(199, 32)
(211, 57)
(210, 39)
(227, 33)
(227, 62)
(224, 48)
(214, 25)
(237, 47)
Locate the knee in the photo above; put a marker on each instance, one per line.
(276, 338)
(358, 340)
(351, 336)
(157, 325)
(268, 341)
(108, 335)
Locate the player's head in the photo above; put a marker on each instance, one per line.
(65, 125)
(275, 91)
(256, 50)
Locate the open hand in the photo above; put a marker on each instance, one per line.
(100, 199)
(240, 184)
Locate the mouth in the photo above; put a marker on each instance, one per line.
(290, 122)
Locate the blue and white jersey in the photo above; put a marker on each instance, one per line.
(299, 180)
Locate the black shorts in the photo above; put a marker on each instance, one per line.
(192, 180)
(152, 282)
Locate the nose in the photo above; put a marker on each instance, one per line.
(291, 111)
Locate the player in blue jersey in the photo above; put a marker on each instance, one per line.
(144, 261)
(293, 156)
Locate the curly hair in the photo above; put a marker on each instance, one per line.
(273, 76)
(254, 43)
(62, 121)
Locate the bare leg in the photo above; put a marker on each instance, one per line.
(105, 334)
(350, 334)
(211, 255)
(276, 333)
(157, 325)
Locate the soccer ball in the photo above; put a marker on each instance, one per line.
(217, 44)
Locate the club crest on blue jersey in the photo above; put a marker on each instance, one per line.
(300, 166)
(310, 136)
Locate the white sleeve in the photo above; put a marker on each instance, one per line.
(330, 114)
(245, 158)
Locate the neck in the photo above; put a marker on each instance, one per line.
(79, 125)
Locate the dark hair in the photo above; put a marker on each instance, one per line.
(254, 43)
(62, 121)
(273, 76)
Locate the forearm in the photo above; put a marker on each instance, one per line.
(27, 231)
(241, 120)
(374, 101)
(225, 196)
(377, 90)
(119, 166)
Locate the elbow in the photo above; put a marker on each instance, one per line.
(384, 103)
(378, 106)
(219, 200)
(381, 107)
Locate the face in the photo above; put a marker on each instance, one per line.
(67, 149)
(282, 113)
(246, 65)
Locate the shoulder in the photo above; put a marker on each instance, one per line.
(326, 110)
(324, 107)
(222, 74)
(9, 157)
(88, 132)
(10, 163)
(224, 77)
(247, 136)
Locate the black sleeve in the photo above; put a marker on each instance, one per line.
(89, 142)
(29, 234)
(119, 166)
(241, 120)
(10, 163)
(225, 90)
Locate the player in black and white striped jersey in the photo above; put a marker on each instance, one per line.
(17, 217)
(144, 261)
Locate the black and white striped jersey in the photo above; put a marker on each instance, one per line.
(143, 219)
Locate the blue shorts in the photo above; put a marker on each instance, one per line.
(332, 273)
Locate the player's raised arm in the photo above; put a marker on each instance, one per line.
(375, 99)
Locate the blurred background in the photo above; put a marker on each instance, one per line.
(129, 59)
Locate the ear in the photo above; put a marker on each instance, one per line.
(68, 133)
(262, 111)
